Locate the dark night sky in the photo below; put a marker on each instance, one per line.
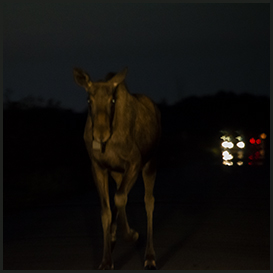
(172, 50)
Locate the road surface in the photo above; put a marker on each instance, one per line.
(212, 217)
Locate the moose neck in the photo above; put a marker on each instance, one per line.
(123, 115)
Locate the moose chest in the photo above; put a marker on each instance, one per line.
(110, 156)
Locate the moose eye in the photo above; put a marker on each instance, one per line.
(113, 101)
(88, 101)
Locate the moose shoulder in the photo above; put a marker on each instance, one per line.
(121, 135)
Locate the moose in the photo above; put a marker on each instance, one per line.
(121, 135)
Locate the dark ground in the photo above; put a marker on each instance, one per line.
(206, 217)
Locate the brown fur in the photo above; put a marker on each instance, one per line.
(127, 129)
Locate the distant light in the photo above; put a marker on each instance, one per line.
(263, 136)
(240, 163)
(227, 138)
(239, 138)
(240, 154)
(240, 144)
(227, 144)
(226, 155)
(227, 163)
(257, 155)
(252, 140)
(258, 141)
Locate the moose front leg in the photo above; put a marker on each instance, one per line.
(101, 179)
(128, 180)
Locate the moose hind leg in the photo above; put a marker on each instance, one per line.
(130, 235)
(149, 174)
(124, 184)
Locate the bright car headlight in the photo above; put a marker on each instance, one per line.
(226, 155)
(240, 144)
(227, 144)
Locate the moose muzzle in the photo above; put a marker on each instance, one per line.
(101, 131)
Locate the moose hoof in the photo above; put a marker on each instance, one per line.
(132, 236)
(105, 266)
(150, 265)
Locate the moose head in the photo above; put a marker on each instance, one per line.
(101, 101)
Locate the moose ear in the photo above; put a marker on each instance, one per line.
(81, 78)
(119, 77)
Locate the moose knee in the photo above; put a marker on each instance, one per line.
(149, 202)
(120, 199)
